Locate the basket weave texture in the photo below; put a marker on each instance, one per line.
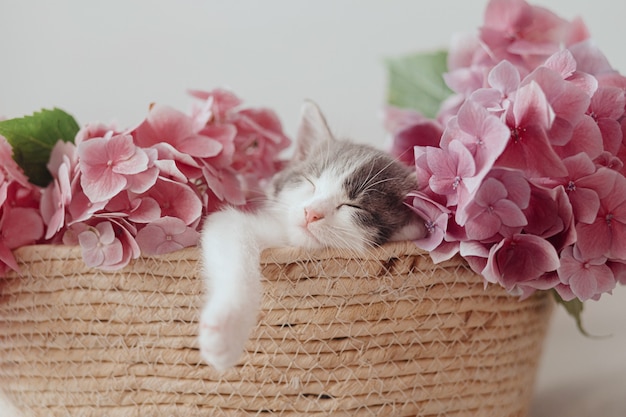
(382, 334)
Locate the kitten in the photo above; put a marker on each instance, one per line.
(333, 193)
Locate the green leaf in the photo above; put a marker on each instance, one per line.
(416, 81)
(574, 308)
(33, 137)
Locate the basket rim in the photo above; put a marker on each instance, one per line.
(389, 250)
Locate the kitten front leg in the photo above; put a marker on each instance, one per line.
(230, 255)
(231, 245)
(225, 327)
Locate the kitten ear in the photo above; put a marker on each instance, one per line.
(313, 129)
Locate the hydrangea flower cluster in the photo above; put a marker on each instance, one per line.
(522, 171)
(20, 220)
(145, 190)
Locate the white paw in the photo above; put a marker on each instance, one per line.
(224, 330)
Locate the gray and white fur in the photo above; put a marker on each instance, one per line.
(334, 193)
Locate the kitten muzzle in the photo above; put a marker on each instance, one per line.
(311, 216)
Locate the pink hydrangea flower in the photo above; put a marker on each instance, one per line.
(107, 165)
(176, 165)
(219, 104)
(490, 210)
(20, 226)
(176, 199)
(619, 271)
(165, 124)
(171, 169)
(168, 234)
(482, 133)
(135, 209)
(527, 178)
(606, 235)
(567, 100)
(586, 278)
(94, 130)
(450, 169)
(100, 246)
(9, 170)
(107, 245)
(225, 184)
(523, 34)
(435, 219)
(58, 195)
(259, 138)
(519, 260)
(20, 220)
(529, 148)
(118, 193)
(606, 109)
(410, 129)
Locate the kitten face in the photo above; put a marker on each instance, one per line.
(318, 211)
(343, 195)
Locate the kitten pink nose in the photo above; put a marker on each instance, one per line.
(312, 215)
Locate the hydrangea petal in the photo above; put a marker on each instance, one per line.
(166, 235)
(519, 259)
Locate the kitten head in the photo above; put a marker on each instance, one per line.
(342, 194)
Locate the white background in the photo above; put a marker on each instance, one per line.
(107, 61)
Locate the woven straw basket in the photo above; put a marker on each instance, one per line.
(385, 334)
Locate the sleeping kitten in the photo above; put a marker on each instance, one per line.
(333, 193)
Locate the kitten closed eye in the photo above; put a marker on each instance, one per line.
(310, 181)
(351, 205)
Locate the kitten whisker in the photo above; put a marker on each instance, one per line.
(371, 186)
(346, 235)
(394, 160)
(375, 176)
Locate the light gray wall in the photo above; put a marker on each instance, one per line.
(105, 61)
